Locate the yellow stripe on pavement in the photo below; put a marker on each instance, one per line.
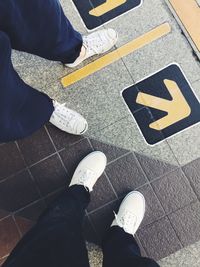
(116, 54)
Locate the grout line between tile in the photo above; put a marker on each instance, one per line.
(124, 155)
(57, 153)
(111, 185)
(103, 206)
(191, 185)
(20, 233)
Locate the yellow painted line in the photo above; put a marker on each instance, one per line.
(106, 7)
(174, 113)
(116, 54)
(189, 13)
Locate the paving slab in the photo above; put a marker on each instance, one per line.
(174, 191)
(126, 135)
(159, 239)
(186, 257)
(186, 223)
(97, 97)
(192, 171)
(185, 145)
(160, 182)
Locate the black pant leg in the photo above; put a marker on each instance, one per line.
(121, 249)
(40, 27)
(23, 109)
(56, 240)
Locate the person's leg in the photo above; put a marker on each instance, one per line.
(121, 249)
(119, 246)
(57, 240)
(23, 109)
(41, 28)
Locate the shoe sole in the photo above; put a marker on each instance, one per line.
(85, 130)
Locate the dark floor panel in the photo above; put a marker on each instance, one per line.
(17, 192)
(73, 155)
(3, 213)
(50, 175)
(62, 139)
(186, 223)
(125, 174)
(192, 171)
(24, 225)
(174, 191)
(36, 147)
(112, 152)
(33, 211)
(9, 236)
(154, 210)
(154, 168)
(159, 239)
(11, 160)
(102, 194)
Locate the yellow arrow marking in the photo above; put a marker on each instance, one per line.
(177, 108)
(106, 7)
(115, 55)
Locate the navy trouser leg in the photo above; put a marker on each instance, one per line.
(120, 249)
(23, 109)
(40, 27)
(37, 27)
(56, 240)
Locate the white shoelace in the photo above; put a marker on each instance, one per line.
(86, 178)
(69, 120)
(93, 44)
(127, 221)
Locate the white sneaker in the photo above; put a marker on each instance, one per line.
(131, 213)
(89, 170)
(68, 120)
(96, 43)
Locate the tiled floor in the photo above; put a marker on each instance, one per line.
(35, 170)
(38, 168)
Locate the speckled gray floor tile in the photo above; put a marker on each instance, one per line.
(154, 209)
(125, 134)
(186, 223)
(159, 239)
(192, 171)
(185, 145)
(182, 258)
(174, 191)
(127, 170)
(154, 168)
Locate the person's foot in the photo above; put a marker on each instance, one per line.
(131, 213)
(68, 120)
(89, 170)
(96, 43)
